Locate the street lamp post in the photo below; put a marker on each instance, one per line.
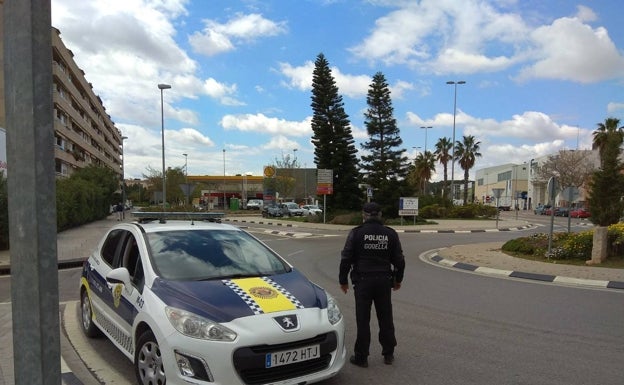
(454, 83)
(515, 190)
(426, 129)
(123, 179)
(294, 165)
(186, 186)
(224, 179)
(162, 87)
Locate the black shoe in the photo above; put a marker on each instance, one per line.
(361, 363)
(388, 359)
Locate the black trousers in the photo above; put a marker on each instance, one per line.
(377, 291)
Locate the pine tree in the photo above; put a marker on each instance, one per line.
(332, 137)
(384, 164)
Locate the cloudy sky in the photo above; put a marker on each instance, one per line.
(539, 74)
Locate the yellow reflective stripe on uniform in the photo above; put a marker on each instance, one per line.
(266, 296)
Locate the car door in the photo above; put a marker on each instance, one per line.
(119, 294)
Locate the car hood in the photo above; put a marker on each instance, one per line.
(228, 299)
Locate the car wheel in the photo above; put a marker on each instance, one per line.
(148, 364)
(86, 315)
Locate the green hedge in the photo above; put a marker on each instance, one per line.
(84, 197)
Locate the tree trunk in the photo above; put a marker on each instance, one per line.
(599, 246)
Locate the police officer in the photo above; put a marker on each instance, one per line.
(373, 255)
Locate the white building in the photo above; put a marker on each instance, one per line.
(509, 180)
(519, 185)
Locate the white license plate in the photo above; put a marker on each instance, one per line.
(286, 357)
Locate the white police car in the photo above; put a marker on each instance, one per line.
(197, 302)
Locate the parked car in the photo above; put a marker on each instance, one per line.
(291, 209)
(311, 210)
(254, 204)
(504, 208)
(562, 211)
(580, 213)
(540, 209)
(272, 210)
(206, 302)
(548, 211)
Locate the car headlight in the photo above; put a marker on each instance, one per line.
(195, 326)
(333, 311)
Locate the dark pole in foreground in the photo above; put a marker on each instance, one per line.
(32, 191)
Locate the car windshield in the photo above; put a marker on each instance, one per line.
(210, 254)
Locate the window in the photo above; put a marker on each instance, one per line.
(111, 245)
(60, 142)
(200, 254)
(503, 176)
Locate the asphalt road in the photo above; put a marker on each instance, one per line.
(453, 327)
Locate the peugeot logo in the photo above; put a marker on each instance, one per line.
(288, 322)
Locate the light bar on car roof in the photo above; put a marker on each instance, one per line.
(179, 215)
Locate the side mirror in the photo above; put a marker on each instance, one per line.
(120, 275)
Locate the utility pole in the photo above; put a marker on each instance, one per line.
(32, 192)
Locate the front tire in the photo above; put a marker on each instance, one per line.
(148, 365)
(86, 316)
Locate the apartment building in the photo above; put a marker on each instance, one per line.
(84, 133)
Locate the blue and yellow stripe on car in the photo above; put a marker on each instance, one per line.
(263, 295)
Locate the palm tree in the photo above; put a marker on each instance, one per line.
(604, 132)
(466, 153)
(424, 166)
(443, 155)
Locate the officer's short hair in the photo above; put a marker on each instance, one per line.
(371, 209)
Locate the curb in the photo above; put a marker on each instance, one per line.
(435, 257)
(424, 231)
(467, 231)
(5, 269)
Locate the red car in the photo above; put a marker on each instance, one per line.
(579, 213)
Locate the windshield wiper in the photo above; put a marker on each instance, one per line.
(241, 275)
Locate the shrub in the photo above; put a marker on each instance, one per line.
(433, 211)
(463, 212)
(615, 237)
(353, 219)
(578, 245)
(566, 245)
(519, 245)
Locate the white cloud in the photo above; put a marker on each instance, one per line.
(217, 38)
(586, 14)
(353, 86)
(570, 50)
(263, 124)
(280, 142)
(442, 36)
(188, 137)
(615, 107)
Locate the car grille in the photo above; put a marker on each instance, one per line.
(249, 361)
